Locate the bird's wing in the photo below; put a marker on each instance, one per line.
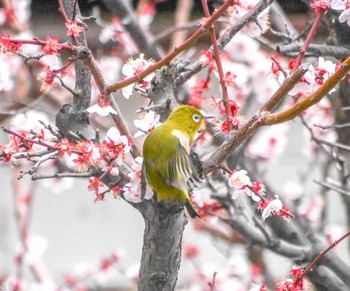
(180, 168)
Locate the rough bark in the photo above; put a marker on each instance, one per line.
(72, 119)
(161, 252)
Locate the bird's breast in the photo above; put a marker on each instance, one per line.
(183, 138)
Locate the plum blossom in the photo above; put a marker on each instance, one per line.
(102, 108)
(132, 190)
(339, 4)
(147, 13)
(272, 207)
(6, 80)
(312, 209)
(345, 16)
(133, 68)
(36, 246)
(147, 123)
(73, 28)
(293, 190)
(253, 29)
(116, 32)
(48, 77)
(242, 185)
(52, 46)
(321, 6)
(239, 179)
(270, 144)
(325, 69)
(312, 79)
(114, 138)
(230, 79)
(319, 114)
(334, 232)
(22, 10)
(205, 58)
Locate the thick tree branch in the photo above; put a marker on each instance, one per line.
(317, 50)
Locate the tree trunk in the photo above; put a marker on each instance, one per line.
(161, 252)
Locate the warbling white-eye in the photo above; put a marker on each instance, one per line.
(167, 167)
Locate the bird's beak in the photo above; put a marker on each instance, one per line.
(209, 117)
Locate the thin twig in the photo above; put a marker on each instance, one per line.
(61, 175)
(308, 40)
(333, 187)
(218, 65)
(170, 56)
(319, 257)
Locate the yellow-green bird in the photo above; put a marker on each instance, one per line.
(167, 167)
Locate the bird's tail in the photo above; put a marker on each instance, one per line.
(191, 210)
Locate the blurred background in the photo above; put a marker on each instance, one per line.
(70, 234)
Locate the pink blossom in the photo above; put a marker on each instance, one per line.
(73, 28)
(272, 207)
(239, 179)
(102, 108)
(339, 4)
(132, 190)
(133, 68)
(312, 209)
(147, 14)
(52, 46)
(48, 78)
(270, 143)
(230, 79)
(147, 123)
(190, 251)
(113, 139)
(36, 247)
(345, 16)
(116, 32)
(64, 146)
(293, 190)
(242, 7)
(321, 6)
(205, 58)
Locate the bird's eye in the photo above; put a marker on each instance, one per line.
(196, 118)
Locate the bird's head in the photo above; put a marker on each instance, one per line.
(186, 119)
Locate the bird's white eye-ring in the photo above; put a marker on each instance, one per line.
(196, 118)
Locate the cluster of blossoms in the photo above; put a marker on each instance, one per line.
(269, 144)
(198, 99)
(242, 7)
(146, 124)
(322, 6)
(234, 273)
(242, 185)
(132, 190)
(116, 32)
(133, 68)
(105, 156)
(296, 284)
(47, 57)
(102, 108)
(312, 79)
